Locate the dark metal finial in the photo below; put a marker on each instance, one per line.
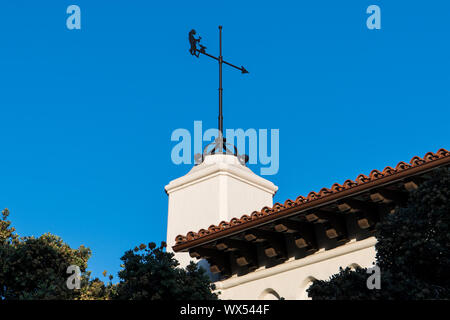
(220, 144)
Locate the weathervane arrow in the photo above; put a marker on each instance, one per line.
(220, 141)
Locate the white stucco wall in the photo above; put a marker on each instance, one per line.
(219, 189)
(291, 279)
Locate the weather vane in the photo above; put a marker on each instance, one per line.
(220, 144)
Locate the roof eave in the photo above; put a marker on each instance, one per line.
(283, 213)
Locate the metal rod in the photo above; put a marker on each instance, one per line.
(207, 54)
(232, 65)
(220, 141)
(223, 61)
(220, 86)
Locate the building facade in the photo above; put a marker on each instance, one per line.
(275, 251)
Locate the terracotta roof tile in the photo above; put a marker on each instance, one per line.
(312, 196)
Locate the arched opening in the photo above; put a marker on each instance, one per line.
(354, 266)
(305, 284)
(269, 294)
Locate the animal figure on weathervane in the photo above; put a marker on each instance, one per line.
(193, 50)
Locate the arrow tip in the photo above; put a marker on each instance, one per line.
(243, 70)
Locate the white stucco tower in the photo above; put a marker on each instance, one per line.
(216, 190)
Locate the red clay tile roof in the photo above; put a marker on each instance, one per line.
(301, 201)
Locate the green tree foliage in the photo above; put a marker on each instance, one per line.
(151, 273)
(413, 251)
(95, 289)
(36, 268)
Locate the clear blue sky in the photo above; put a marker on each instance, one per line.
(86, 116)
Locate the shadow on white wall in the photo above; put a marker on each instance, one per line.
(353, 266)
(269, 294)
(303, 295)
